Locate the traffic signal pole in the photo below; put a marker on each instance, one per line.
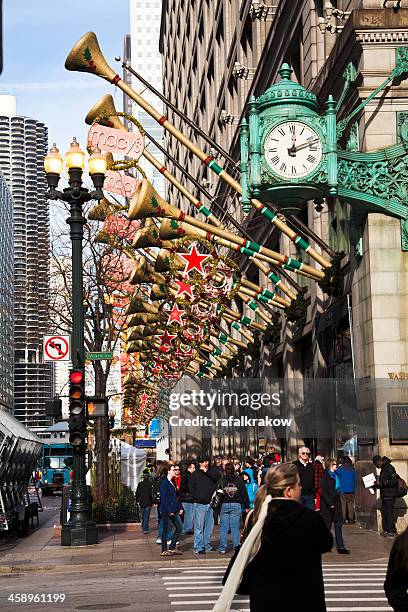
(80, 529)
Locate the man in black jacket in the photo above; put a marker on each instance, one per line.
(388, 484)
(202, 485)
(306, 474)
(186, 498)
(144, 497)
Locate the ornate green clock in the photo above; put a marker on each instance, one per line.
(290, 152)
(292, 149)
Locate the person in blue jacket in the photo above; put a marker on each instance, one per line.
(251, 485)
(170, 510)
(347, 477)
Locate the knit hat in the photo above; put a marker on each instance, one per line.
(320, 458)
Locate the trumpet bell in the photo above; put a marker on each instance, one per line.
(139, 345)
(146, 202)
(139, 304)
(105, 106)
(162, 263)
(148, 236)
(139, 332)
(100, 211)
(143, 318)
(158, 292)
(170, 230)
(143, 273)
(86, 56)
(103, 237)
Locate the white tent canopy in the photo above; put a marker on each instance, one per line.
(132, 463)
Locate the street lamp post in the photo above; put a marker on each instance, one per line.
(80, 529)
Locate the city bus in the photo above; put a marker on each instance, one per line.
(56, 466)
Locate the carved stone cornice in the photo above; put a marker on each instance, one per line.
(363, 27)
(381, 36)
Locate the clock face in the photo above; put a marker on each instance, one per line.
(293, 149)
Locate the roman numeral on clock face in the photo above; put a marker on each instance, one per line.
(275, 159)
(272, 150)
(311, 159)
(281, 131)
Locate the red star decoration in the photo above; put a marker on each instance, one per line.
(184, 288)
(166, 338)
(194, 260)
(176, 315)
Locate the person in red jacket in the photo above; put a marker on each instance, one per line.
(318, 473)
(177, 479)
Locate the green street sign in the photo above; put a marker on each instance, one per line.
(95, 356)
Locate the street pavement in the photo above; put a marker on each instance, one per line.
(133, 590)
(349, 587)
(125, 571)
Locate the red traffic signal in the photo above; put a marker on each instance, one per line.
(77, 414)
(76, 377)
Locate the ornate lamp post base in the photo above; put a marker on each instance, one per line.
(82, 535)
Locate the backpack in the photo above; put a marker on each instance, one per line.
(402, 488)
(156, 492)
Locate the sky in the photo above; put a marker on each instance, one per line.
(37, 37)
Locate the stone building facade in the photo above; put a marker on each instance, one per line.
(357, 343)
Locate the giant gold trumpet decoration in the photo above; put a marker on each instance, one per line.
(146, 202)
(86, 56)
(105, 107)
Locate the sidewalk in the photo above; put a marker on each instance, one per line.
(126, 546)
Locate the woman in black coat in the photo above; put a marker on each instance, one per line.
(396, 582)
(330, 504)
(291, 533)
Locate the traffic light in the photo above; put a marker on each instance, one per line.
(53, 408)
(77, 414)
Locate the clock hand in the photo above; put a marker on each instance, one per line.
(292, 150)
(305, 144)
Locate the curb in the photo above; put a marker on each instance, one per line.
(90, 567)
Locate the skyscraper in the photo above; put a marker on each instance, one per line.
(145, 58)
(23, 145)
(6, 297)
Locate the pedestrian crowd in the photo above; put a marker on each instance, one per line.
(268, 506)
(190, 498)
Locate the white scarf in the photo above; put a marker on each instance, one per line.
(246, 553)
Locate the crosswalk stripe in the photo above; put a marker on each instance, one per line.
(188, 588)
(356, 599)
(357, 565)
(348, 588)
(352, 579)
